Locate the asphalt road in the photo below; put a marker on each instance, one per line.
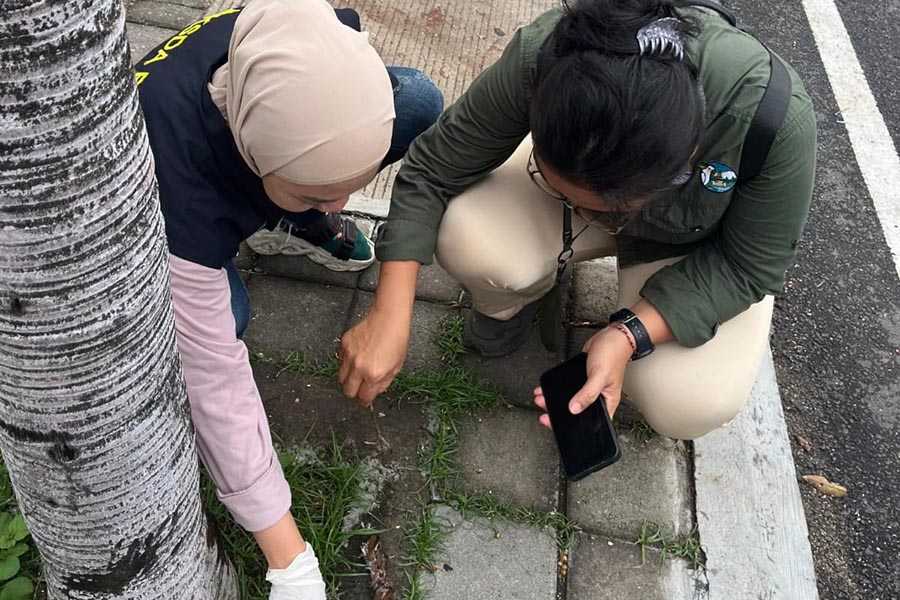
(836, 334)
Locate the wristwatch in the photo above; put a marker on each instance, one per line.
(643, 345)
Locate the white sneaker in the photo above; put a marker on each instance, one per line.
(333, 241)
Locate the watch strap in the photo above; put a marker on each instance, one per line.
(643, 345)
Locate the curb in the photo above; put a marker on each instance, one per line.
(749, 513)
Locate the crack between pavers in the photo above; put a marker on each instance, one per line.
(562, 575)
(563, 556)
(700, 575)
(354, 302)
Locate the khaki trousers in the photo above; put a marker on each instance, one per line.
(500, 240)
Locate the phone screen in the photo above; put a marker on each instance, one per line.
(586, 441)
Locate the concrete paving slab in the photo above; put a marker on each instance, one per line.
(452, 41)
(143, 38)
(312, 411)
(290, 316)
(494, 560)
(649, 483)
(516, 375)
(595, 287)
(426, 325)
(163, 14)
(605, 569)
(433, 284)
(506, 453)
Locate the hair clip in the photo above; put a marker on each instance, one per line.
(660, 36)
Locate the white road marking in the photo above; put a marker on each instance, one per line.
(872, 144)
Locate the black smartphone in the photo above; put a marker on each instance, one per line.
(586, 441)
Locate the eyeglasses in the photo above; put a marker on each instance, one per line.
(613, 222)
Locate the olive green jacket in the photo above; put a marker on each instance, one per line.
(738, 244)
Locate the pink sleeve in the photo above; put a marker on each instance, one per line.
(233, 436)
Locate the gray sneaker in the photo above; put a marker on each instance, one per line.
(332, 240)
(493, 338)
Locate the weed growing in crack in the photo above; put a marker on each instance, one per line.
(299, 364)
(686, 547)
(326, 487)
(489, 507)
(450, 338)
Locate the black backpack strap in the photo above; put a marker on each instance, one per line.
(767, 121)
(769, 113)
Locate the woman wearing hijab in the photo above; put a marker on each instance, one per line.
(256, 117)
(636, 114)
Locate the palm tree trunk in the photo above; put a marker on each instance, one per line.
(94, 422)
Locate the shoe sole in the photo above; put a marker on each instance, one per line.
(272, 243)
(498, 349)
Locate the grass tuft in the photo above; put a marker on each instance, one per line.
(489, 507)
(641, 431)
(451, 392)
(260, 358)
(325, 487)
(415, 589)
(450, 338)
(685, 547)
(424, 542)
(438, 462)
(299, 364)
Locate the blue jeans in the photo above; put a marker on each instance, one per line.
(240, 299)
(417, 103)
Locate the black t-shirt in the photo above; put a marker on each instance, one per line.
(210, 199)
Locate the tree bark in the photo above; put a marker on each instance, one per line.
(94, 422)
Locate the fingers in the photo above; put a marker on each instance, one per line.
(541, 403)
(344, 370)
(368, 391)
(360, 383)
(351, 384)
(586, 395)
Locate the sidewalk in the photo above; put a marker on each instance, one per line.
(467, 459)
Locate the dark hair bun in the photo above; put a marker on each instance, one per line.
(606, 117)
(609, 26)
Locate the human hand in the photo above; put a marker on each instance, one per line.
(608, 353)
(373, 352)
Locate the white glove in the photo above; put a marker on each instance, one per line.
(300, 581)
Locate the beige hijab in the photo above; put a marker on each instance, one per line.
(306, 98)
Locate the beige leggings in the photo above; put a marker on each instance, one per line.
(500, 239)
